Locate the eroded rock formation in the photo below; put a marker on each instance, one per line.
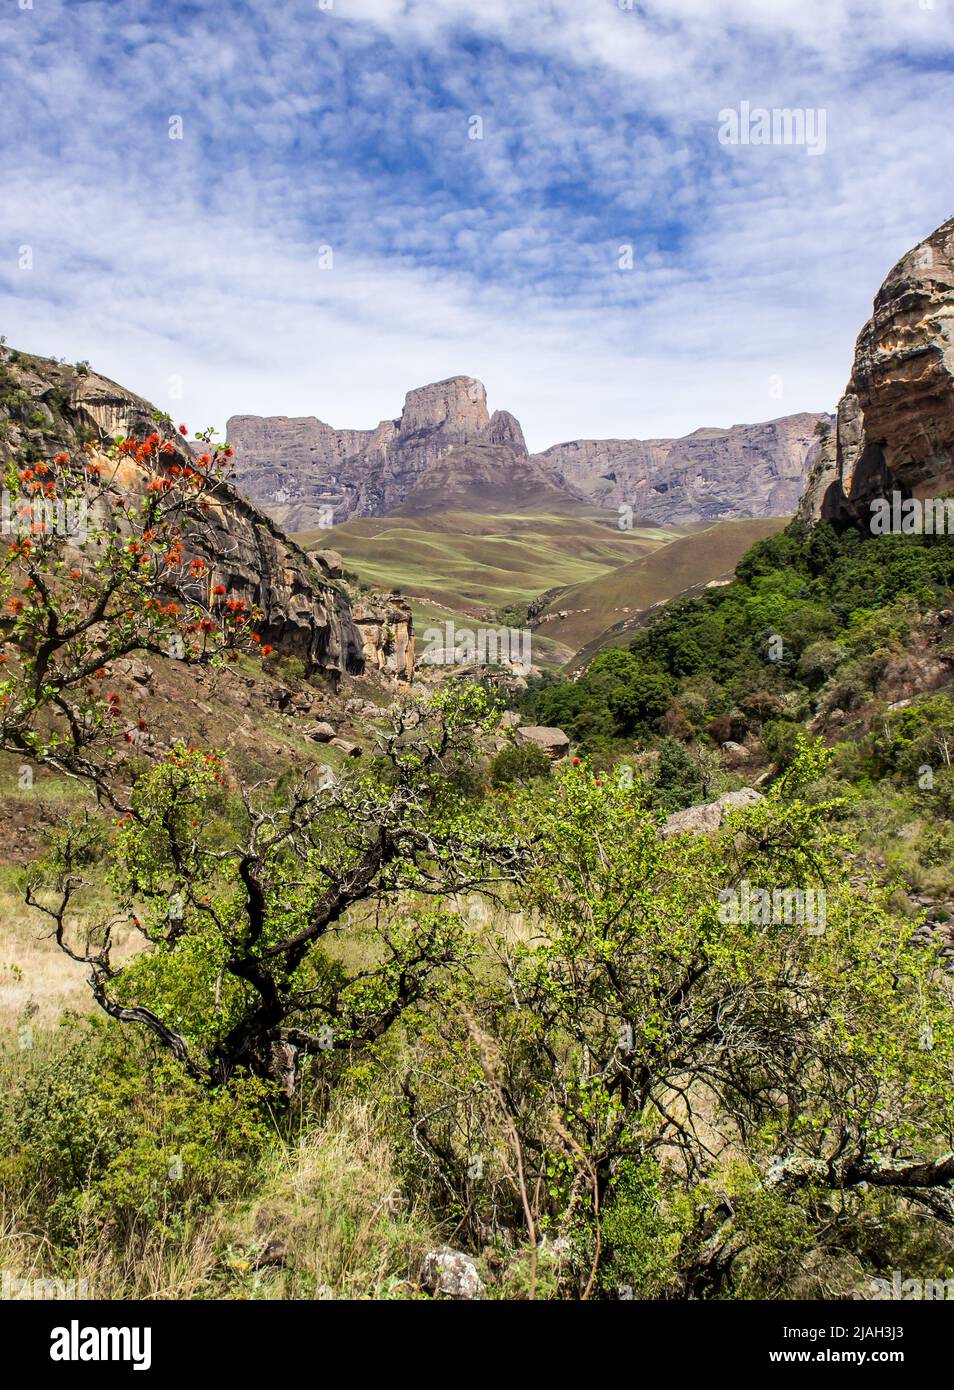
(308, 475)
(895, 423)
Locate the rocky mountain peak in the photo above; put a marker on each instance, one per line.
(504, 429)
(457, 406)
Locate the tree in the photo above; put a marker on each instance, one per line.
(681, 1093)
(244, 913)
(237, 900)
(103, 565)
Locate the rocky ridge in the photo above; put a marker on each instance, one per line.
(307, 474)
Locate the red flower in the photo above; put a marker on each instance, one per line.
(15, 605)
(183, 429)
(267, 650)
(219, 589)
(61, 458)
(576, 762)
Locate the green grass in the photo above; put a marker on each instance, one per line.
(478, 562)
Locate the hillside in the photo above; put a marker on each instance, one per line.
(473, 563)
(47, 407)
(622, 594)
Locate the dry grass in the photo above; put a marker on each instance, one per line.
(328, 1220)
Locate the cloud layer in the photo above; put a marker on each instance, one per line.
(327, 234)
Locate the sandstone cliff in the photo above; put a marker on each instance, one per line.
(308, 475)
(46, 406)
(895, 423)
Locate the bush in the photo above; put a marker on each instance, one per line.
(521, 762)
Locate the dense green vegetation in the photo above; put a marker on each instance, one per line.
(459, 995)
(808, 615)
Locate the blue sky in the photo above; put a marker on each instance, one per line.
(196, 265)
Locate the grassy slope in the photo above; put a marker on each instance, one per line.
(464, 564)
(653, 578)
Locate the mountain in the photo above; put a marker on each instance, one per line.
(307, 474)
(47, 406)
(895, 423)
(709, 475)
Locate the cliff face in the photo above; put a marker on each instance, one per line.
(307, 474)
(895, 423)
(310, 475)
(746, 471)
(46, 406)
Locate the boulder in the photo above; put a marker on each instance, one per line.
(323, 732)
(703, 819)
(554, 742)
(332, 561)
(735, 752)
(450, 1273)
(352, 750)
(133, 669)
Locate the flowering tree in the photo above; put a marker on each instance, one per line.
(101, 564)
(237, 905)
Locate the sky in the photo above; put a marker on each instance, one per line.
(309, 207)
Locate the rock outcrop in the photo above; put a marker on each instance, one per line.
(554, 742)
(894, 427)
(701, 820)
(309, 475)
(307, 614)
(387, 634)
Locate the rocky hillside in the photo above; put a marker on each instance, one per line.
(895, 423)
(47, 406)
(307, 474)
